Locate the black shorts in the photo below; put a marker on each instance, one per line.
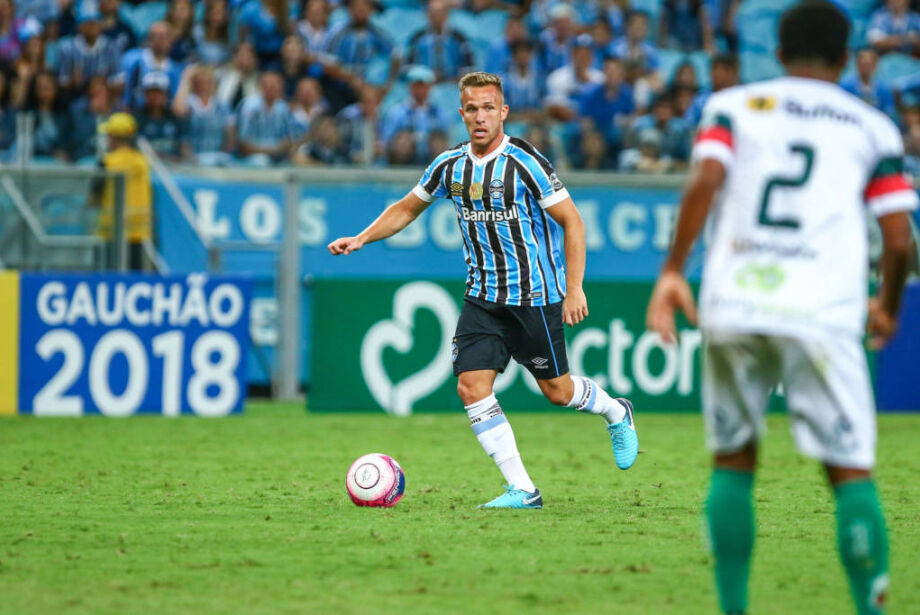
(489, 334)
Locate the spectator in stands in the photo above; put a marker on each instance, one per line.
(722, 17)
(866, 86)
(603, 37)
(609, 105)
(895, 28)
(723, 73)
(86, 54)
(522, 85)
(313, 29)
(441, 48)
(437, 143)
(30, 63)
(265, 24)
(155, 121)
(152, 58)
(615, 16)
(683, 98)
(415, 113)
(634, 46)
(538, 136)
(325, 148)
(116, 29)
(265, 126)
(87, 113)
(358, 127)
(646, 155)
(49, 138)
(565, 85)
(208, 123)
(7, 121)
(181, 20)
(123, 157)
(401, 149)
(356, 43)
(292, 66)
(240, 78)
(685, 76)
(671, 141)
(554, 46)
(685, 25)
(498, 60)
(308, 104)
(212, 35)
(9, 32)
(912, 141)
(593, 151)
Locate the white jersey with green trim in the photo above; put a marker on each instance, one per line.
(789, 250)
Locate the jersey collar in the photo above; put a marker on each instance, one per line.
(493, 154)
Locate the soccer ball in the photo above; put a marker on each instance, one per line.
(375, 480)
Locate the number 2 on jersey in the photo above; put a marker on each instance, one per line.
(807, 152)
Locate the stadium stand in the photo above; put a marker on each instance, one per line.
(393, 24)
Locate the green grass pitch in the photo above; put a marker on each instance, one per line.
(249, 515)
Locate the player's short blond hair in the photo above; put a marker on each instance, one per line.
(480, 79)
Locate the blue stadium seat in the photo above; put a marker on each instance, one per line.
(399, 91)
(446, 96)
(145, 15)
(861, 8)
(894, 67)
(490, 26)
(400, 24)
(464, 22)
(700, 61)
(668, 61)
(61, 214)
(652, 7)
(759, 66)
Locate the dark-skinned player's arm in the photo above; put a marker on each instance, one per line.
(394, 218)
(672, 290)
(575, 305)
(897, 249)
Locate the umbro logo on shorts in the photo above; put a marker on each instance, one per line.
(540, 362)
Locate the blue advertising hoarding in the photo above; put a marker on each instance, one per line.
(119, 345)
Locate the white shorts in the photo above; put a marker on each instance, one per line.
(826, 384)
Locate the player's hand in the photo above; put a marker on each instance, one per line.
(881, 325)
(574, 307)
(346, 245)
(671, 292)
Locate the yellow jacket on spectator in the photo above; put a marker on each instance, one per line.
(138, 194)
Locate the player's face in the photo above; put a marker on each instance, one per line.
(483, 110)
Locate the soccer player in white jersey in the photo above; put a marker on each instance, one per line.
(524, 244)
(790, 166)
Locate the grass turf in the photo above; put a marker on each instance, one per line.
(249, 515)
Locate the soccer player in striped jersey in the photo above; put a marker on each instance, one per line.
(792, 165)
(524, 244)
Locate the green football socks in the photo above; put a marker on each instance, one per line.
(730, 517)
(863, 544)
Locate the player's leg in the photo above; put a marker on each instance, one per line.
(479, 354)
(536, 338)
(739, 373)
(833, 419)
(585, 395)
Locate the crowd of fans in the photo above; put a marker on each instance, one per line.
(265, 82)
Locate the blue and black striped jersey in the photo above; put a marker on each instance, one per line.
(514, 250)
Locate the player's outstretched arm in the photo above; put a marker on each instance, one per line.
(394, 218)
(897, 246)
(671, 290)
(575, 305)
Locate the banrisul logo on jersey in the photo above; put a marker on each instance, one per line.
(388, 344)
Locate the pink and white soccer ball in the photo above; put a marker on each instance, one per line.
(375, 480)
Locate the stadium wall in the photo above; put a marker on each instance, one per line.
(629, 221)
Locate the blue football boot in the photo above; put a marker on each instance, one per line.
(516, 498)
(624, 438)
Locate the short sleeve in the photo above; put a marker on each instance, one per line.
(549, 188)
(888, 188)
(715, 139)
(433, 184)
